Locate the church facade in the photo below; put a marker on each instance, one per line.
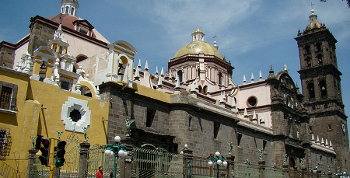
(195, 102)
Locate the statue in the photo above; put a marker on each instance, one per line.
(85, 135)
(285, 159)
(128, 126)
(231, 147)
(261, 153)
(25, 64)
(33, 140)
(59, 135)
(302, 160)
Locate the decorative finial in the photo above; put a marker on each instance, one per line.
(146, 66)
(245, 112)
(244, 80)
(312, 7)
(260, 76)
(139, 65)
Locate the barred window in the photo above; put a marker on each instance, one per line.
(4, 142)
(8, 94)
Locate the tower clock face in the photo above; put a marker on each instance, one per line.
(192, 45)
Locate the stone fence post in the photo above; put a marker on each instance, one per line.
(187, 160)
(231, 165)
(83, 159)
(126, 162)
(286, 169)
(31, 161)
(261, 168)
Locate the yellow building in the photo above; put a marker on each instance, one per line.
(43, 100)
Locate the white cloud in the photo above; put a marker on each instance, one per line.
(179, 18)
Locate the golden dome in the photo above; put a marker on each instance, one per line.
(196, 47)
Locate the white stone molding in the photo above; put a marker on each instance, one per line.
(82, 107)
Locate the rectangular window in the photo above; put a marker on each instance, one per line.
(8, 94)
(66, 83)
(83, 31)
(150, 116)
(216, 129)
(42, 77)
(239, 138)
(4, 142)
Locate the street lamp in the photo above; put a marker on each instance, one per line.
(116, 150)
(217, 159)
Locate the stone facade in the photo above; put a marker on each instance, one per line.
(7, 51)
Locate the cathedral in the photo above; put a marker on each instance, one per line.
(195, 104)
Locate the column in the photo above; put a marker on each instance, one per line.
(230, 165)
(83, 164)
(187, 157)
(31, 161)
(261, 168)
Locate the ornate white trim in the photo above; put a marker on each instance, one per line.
(82, 107)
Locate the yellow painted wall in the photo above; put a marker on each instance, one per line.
(31, 119)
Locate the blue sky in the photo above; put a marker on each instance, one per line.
(252, 34)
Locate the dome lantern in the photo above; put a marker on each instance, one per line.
(69, 7)
(198, 35)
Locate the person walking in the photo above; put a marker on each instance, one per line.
(99, 173)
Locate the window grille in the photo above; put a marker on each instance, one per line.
(5, 142)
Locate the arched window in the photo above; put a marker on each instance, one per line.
(72, 11)
(205, 88)
(311, 89)
(220, 78)
(67, 8)
(200, 89)
(323, 88)
(319, 59)
(308, 61)
(318, 46)
(307, 49)
(81, 57)
(179, 73)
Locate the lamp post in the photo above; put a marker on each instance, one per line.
(217, 159)
(116, 150)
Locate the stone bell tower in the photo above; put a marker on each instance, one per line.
(321, 88)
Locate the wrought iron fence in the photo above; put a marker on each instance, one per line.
(147, 163)
(156, 163)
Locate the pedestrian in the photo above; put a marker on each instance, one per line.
(111, 175)
(99, 173)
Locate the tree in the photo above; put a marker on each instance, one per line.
(347, 1)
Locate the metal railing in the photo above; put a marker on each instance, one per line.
(7, 171)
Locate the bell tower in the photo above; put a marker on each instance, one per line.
(69, 7)
(320, 79)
